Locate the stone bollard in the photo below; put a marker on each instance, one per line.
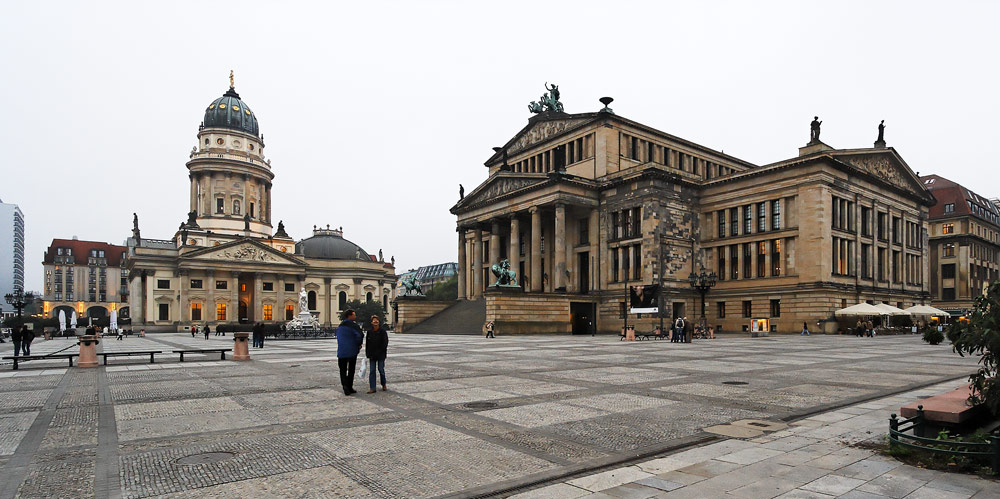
(88, 351)
(241, 350)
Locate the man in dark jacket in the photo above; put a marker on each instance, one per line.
(349, 337)
(375, 349)
(15, 336)
(258, 335)
(26, 337)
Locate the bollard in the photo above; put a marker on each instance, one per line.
(88, 351)
(241, 350)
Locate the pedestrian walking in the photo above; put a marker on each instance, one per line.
(686, 330)
(258, 335)
(15, 337)
(489, 330)
(27, 336)
(805, 329)
(121, 334)
(349, 337)
(194, 329)
(678, 330)
(208, 331)
(376, 347)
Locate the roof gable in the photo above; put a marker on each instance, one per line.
(501, 185)
(244, 251)
(541, 128)
(885, 165)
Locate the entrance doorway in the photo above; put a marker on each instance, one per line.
(583, 270)
(678, 309)
(245, 284)
(582, 317)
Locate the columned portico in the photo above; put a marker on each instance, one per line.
(462, 264)
(514, 252)
(494, 243)
(536, 249)
(477, 263)
(559, 249)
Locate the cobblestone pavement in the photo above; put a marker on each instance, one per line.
(815, 457)
(463, 416)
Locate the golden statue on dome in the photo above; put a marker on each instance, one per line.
(232, 82)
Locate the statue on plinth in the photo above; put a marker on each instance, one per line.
(135, 228)
(814, 129)
(410, 284)
(549, 101)
(506, 277)
(303, 302)
(461, 192)
(246, 222)
(880, 141)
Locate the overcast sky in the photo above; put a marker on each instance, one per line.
(374, 112)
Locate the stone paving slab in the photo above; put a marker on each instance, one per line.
(468, 415)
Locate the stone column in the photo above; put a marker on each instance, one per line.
(536, 249)
(494, 243)
(595, 262)
(514, 254)
(194, 191)
(235, 299)
(184, 312)
(327, 317)
(477, 263)
(258, 293)
(279, 314)
(210, 277)
(559, 249)
(461, 264)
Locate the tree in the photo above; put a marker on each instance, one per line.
(444, 291)
(980, 335)
(365, 310)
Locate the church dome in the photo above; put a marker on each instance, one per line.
(230, 112)
(329, 244)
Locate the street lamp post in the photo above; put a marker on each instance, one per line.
(702, 282)
(19, 300)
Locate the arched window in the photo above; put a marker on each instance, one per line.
(368, 297)
(385, 303)
(341, 301)
(312, 300)
(236, 207)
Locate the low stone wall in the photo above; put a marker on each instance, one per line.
(516, 312)
(413, 310)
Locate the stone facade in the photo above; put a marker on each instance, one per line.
(586, 204)
(411, 311)
(86, 277)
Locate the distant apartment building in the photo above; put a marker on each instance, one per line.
(428, 276)
(964, 244)
(88, 277)
(11, 248)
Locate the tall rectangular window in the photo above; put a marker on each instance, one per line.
(762, 217)
(881, 264)
(866, 221)
(761, 259)
(220, 205)
(734, 264)
(289, 312)
(747, 308)
(775, 308)
(583, 224)
(625, 263)
(866, 264)
(896, 234)
(776, 258)
(882, 227)
(164, 312)
(615, 265)
(734, 221)
(747, 260)
(721, 262)
(196, 311)
(949, 249)
(721, 216)
(948, 229)
(268, 312)
(615, 225)
(776, 214)
(721, 307)
(220, 311)
(748, 219)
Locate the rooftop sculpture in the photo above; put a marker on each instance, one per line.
(549, 101)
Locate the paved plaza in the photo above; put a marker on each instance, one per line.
(464, 416)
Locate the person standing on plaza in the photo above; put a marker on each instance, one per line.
(26, 337)
(349, 338)
(194, 329)
(207, 330)
(805, 329)
(15, 337)
(489, 329)
(376, 348)
(686, 330)
(678, 330)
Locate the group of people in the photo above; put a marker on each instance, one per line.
(864, 328)
(22, 339)
(350, 337)
(258, 335)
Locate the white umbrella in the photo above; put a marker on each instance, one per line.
(859, 310)
(62, 320)
(113, 324)
(887, 309)
(926, 310)
(72, 320)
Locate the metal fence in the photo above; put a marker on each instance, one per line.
(987, 451)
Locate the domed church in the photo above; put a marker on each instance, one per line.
(227, 262)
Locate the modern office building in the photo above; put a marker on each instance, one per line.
(11, 248)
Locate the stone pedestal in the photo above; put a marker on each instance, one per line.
(88, 351)
(241, 348)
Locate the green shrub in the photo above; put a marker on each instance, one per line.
(933, 336)
(980, 335)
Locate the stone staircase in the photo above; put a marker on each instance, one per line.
(464, 317)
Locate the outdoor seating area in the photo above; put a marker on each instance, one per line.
(151, 354)
(221, 351)
(25, 358)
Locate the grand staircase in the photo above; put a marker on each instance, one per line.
(464, 317)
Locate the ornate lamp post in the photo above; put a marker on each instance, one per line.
(702, 282)
(19, 299)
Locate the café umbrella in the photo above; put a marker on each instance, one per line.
(62, 320)
(859, 310)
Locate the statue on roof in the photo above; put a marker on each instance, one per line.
(380, 259)
(461, 192)
(814, 129)
(135, 228)
(246, 222)
(549, 101)
(192, 219)
(281, 229)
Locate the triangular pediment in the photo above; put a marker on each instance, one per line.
(502, 185)
(885, 165)
(243, 251)
(541, 128)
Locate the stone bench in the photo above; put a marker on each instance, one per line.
(950, 407)
(151, 353)
(25, 358)
(204, 350)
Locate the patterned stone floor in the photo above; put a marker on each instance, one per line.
(464, 415)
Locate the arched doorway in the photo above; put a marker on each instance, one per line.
(244, 311)
(97, 312)
(368, 297)
(67, 311)
(341, 301)
(312, 300)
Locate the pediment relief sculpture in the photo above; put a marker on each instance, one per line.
(880, 166)
(542, 131)
(502, 186)
(244, 253)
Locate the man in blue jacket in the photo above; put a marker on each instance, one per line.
(349, 337)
